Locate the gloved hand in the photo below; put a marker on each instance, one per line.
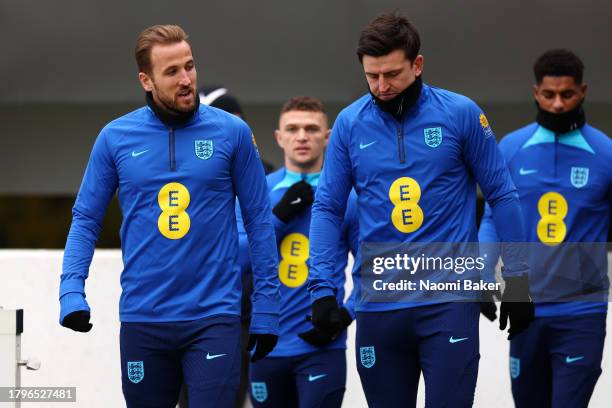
(319, 339)
(74, 312)
(326, 316)
(295, 200)
(517, 305)
(78, 321)
(488, 308)
(265, 344)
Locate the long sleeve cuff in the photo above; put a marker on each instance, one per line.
(350, 311)
(321, 292)
(72, 302)
(264, 323)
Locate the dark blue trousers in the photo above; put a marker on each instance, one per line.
(313, 380)
(440, 340)
(157, 357)
(556, 362)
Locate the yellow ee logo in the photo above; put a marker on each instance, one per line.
(553, 209)
(405, 194)
(292, 270)
(173, 222)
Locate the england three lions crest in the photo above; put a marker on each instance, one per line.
(515, 367)
(579, 176)
(367, 355)
(135, 371)
(204, 149)
(433, 136)
(259, 391)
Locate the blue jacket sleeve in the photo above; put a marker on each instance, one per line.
(328, 212)
(244, 258)
(489, 168)
(352, 234)
(97, 189)
(251, 188)
(489, 244)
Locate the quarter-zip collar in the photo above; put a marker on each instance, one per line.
(172, 118)
(408, 111)
(402, 103)
(292, 177)
(310, 178)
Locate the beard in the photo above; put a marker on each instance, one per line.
(170, 102)
(169, 111)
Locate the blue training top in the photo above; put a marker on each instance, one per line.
(293, 243)
(564, 183)
(415, 180)
(177, 189)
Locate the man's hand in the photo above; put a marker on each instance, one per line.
(265, 344)
(318, 338)
(74, 312)
(78, 321)
(516, 305)
(295, 200)
(488, 308)
(326, 315)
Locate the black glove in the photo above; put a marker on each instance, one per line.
(319, 339)
(488, 308)
(78, 321)
(326, 315)
(265, 344)
(295, 200)
(517, 305)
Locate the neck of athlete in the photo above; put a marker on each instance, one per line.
(313, 166)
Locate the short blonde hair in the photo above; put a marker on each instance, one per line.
(303, 103)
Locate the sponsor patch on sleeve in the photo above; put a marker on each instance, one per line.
(255, 144)
(486, 127)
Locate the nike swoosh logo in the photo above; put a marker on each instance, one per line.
(136, 154)
(524, 172)
(316, 377)
(570, 360)
(296, 201)
(212, 356)
(364, 146)
(452, 340)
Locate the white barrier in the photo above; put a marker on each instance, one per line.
(10, 350)
(29, 280)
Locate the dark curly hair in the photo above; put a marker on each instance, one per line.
(558, 62)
